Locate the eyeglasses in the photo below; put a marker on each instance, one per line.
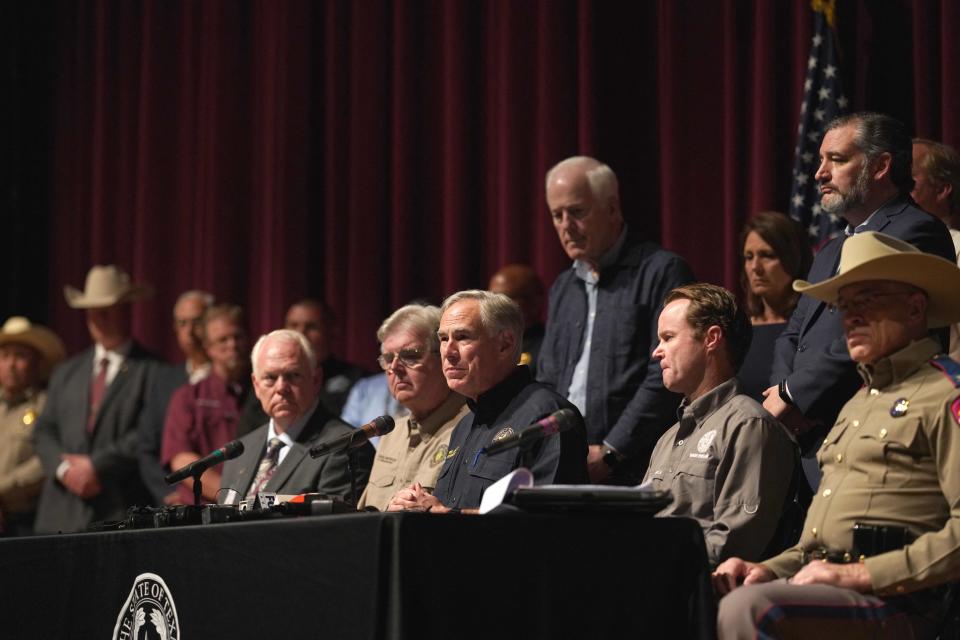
(869, 301)
(412, 358)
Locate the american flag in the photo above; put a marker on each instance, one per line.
(823, 99)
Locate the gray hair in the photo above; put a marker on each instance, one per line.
(288, 336)
(497, 313)
(424, 320)
(206, 298)
(601, 178)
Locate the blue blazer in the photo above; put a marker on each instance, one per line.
(811, 353)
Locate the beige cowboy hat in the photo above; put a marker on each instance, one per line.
(19, 330)
(876, 256)
(105, 286)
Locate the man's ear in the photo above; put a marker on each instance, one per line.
(917, 305)
(882, 166)
(713, 338)
(508, 344)
(944, 192)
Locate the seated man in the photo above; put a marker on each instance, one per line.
(28, 353)
(480, 338)
(880, 539)
(727, 461)
(417, 447)
(204, 416)
(275, 458)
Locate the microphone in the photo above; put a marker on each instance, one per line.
(554, 423)
(377, 427)
(228, 451)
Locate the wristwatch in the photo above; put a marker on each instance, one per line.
(611, 458)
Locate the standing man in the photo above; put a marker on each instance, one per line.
(879, 545)
(728, 463)
(187, 324)
(480, 337)
(414, 452)
(520, 283)
(275, 457)
(936, 189)
(204, 416)
(602, 322)
(28, 353)
(865, 177)
(87, 434)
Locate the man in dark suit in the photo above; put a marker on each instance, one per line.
(86, 436)
(864, 177)
(287, 381)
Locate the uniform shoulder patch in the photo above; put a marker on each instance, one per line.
(948, 367)
(955, 409)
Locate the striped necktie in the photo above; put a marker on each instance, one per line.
(268, 465)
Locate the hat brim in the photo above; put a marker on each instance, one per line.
(46, 342)
(77, 299)
(937, 277)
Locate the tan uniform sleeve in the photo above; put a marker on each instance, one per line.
(22, 484)
(934, 557)
(752, 484)
(787, 563)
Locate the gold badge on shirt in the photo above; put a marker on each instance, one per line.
(506, 432)
(452, 453)
(526, 357)
(29, 417)
(440, 455)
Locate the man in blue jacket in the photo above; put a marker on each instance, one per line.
(865, 178)
(602, 322)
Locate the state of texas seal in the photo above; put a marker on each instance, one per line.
(149, 608)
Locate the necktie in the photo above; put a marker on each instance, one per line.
(97, 390)
(268, 464)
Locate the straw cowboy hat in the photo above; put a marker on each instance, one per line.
(105, 286)
(19, 330)
(876, 256)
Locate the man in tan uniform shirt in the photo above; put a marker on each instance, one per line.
(891, 461)
(414, 452)
(28, 353)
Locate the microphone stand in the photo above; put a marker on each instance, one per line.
(197, 489)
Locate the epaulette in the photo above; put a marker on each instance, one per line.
(948, 367)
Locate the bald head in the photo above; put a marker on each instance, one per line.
(520, 283)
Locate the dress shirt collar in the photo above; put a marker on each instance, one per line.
(900, 364)
(584, 269)
(196, 373)
(119, 354)
(491, 404)
(290, 435)
(704, 406)
(849, 231)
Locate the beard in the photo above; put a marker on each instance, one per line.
(840, 203)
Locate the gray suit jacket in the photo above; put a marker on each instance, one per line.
(299, 473)
(62, 428)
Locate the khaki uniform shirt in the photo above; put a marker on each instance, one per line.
(21, 474)
(729, 465)
(893, 457)
(412, 452)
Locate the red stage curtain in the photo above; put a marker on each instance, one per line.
(373, 152)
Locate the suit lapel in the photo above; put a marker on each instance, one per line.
(830, 261)
(249, 461)
(290, 462)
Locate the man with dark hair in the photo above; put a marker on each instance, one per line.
(865, 177)
(205, 416)
(315, 320)
(520, 283)
(728, 463)
(878, 553)
(602, 321)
